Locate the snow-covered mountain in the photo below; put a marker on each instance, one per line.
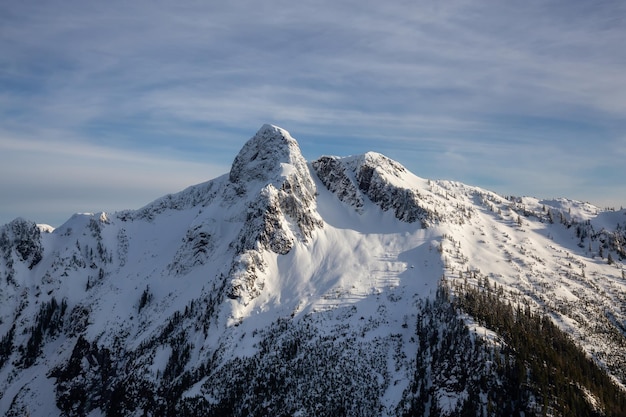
(343, 286)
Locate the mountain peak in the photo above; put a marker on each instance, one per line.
(264, 156)
(271, 170)
(269, 129)
(352, 285)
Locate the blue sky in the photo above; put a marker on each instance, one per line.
(109, 105)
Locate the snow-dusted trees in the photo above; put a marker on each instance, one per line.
(47, 323)
(543, 371)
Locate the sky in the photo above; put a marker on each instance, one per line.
(106, 106)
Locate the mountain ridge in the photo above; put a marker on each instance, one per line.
(286, 263)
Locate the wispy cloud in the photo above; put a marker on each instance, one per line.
(51, 179)
(516, 85)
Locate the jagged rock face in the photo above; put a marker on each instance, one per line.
(197, 246)
(373, 176)
(26, 239)
(336, 176)
(264, 156)
(271, 158)
(19, 240)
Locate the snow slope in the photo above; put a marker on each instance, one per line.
(339, 253)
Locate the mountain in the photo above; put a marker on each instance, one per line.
(342, 286)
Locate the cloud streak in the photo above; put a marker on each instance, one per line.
(49, 180)
(516, 87)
